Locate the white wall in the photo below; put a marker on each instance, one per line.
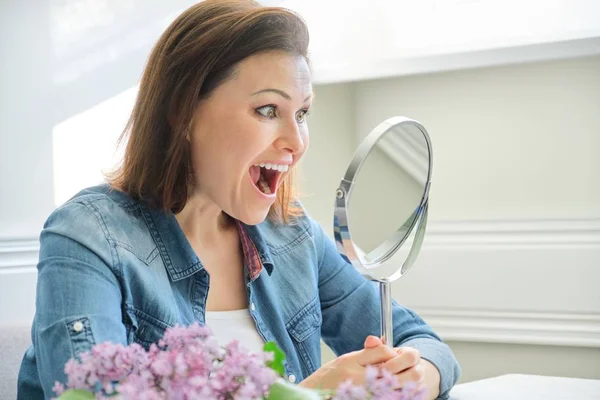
(331, 126)
(390, 38)
(59, 61)
(505, 140)
(509, 269)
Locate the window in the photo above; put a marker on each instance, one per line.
(85, 145)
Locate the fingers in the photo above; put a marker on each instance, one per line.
(415, 374)
(407, 357)
(372, 341)
(375, 355)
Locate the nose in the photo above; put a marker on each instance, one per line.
(292, 138)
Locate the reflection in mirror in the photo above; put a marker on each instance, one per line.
(387, 190)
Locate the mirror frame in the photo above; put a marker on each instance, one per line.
(387, 249)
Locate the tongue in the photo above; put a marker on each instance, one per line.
(255, 173)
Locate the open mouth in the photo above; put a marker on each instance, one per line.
(266, 178)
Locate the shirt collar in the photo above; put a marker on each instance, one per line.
(256, 251)
(181, 260)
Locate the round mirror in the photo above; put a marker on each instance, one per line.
(382, 201)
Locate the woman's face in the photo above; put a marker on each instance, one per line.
(250, 132)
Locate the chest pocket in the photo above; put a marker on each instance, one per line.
(144, 329)
(305, 330)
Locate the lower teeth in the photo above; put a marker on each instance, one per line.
(264, 186)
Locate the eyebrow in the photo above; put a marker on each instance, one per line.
(281, 93)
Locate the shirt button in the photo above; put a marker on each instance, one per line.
(292, 378)
(78, 326)
(252, 307)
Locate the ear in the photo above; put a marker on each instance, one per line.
(189, 129)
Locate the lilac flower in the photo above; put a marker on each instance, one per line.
(348, 391)
(58, 388)
(380, 384)
(188, 363)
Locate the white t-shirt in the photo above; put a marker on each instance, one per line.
(239, 325)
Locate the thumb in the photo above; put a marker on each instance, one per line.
(372, 341)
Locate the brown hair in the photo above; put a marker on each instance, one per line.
(197, 53)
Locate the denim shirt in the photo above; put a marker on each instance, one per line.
(113, 269)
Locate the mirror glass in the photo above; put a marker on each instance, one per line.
(387, 191)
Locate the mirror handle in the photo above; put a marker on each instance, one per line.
(387, 325)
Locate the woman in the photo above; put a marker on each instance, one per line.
(200, 223)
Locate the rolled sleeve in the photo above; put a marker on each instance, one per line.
(78, 293)
(442, 357)
(350, 306)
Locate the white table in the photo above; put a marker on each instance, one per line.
(528, 387)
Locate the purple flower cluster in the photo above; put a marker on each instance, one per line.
(187, 363)
(380, 384)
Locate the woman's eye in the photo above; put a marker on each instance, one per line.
(301, 116)
(267, 111)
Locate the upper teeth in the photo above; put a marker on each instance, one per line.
(277, 167)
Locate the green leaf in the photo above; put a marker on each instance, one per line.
(278, 357)
(76, 394)
(282, 390)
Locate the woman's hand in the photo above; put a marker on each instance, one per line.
(408, 366)
(350, 366)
